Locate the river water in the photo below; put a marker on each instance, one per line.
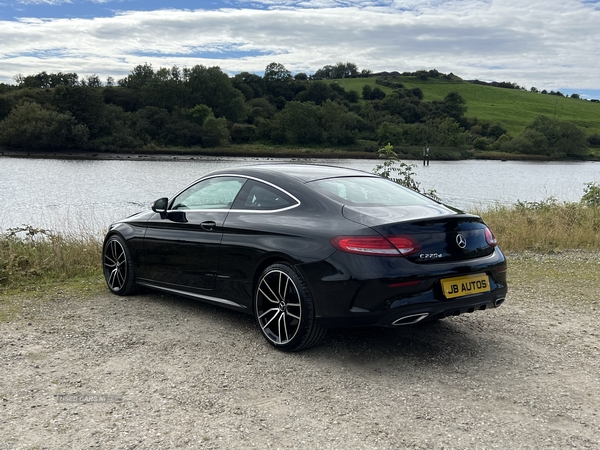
(85, 196)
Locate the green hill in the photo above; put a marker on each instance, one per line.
(513, 108)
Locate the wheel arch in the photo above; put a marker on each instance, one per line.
(131, 236)
(266, 262)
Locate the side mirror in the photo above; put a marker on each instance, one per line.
(160, 206)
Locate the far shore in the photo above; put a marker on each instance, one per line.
(165, 154)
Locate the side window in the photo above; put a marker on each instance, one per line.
(214, 193)
(262, 197)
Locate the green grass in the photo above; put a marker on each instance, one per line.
(512, 108)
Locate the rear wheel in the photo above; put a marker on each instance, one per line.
(284, 309)
(118, 267)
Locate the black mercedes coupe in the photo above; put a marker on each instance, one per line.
(306, 247)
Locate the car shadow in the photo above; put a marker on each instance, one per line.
(468, 340)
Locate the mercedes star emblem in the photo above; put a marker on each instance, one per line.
(461, 241)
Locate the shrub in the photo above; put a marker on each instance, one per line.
(394, 169)
(591, 196)
(481, 143)
(29, 255)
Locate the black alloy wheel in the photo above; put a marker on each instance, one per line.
(117, 265)
(284, 309)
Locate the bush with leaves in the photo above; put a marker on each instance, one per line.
(591, 196)
(31, 126)
(394, 169)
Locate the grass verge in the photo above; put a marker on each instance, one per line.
(546, 226)
(36, 260)
(34, 257)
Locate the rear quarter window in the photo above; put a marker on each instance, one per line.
(257, 196)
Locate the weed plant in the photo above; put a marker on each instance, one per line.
(34, 256)
(546, 226)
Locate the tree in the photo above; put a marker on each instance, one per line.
(181, 130)
(151, 123)
(446, 132)
(550, 137)
(276, 72)
(340, 70)
(165, 89)
(200, 113)
(345, 70)
(215, 132)
(250, 84)
(529, 142)
(139, 76)
(391, 133)
(572, 141)
(213, 88)
(87, 106)
(454, 105)
(377, 94)
(122, 131)
(32, 127)
(494, 131)
(298, 123)
(338, 123)
(261, 108)
(481, 143)
(318, 92)
(594, 139)
(92, 81)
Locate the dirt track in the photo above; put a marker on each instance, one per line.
(181, 374)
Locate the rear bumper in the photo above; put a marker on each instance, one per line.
(418, 312)
(375, 294)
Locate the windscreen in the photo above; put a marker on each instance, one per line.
(368, 191)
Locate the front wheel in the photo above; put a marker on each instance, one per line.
(118, 267)
(284, 309)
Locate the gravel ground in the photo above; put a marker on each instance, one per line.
(91, 370)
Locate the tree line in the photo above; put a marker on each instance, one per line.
(203, 106)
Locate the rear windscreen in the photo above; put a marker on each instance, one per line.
(368, 191)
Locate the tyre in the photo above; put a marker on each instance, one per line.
(284, 309)
(118, 267)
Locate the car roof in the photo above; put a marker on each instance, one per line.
(304, 173)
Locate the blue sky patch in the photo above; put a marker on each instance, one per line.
(90, 9)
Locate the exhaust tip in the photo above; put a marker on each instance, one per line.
(409, 320)
(498, 302)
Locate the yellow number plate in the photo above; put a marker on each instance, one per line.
(467, 285)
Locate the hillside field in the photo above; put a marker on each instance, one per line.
(514, 109)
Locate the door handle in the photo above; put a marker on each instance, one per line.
(208, 226)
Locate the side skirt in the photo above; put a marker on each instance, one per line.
(202, 297)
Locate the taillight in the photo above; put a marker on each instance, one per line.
(490, 238)
(376, 245)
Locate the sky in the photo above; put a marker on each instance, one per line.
(548, 44)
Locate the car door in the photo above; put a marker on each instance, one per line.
(182, 245)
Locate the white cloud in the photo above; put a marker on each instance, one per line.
(43, 2)
(550, 44)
